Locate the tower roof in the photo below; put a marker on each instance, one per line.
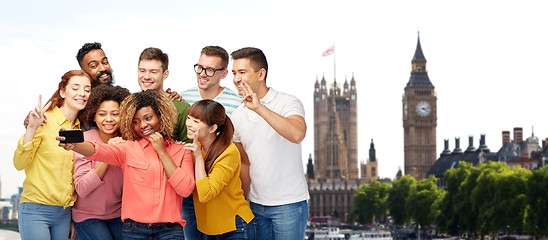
(419, 56)
(419, 78)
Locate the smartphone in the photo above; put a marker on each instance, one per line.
(72, 135)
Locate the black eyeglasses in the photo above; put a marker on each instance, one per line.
(208, 71)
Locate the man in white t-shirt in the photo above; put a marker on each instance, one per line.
(210, 70)
(268, 130)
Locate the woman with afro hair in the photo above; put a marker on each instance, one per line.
(157, 171)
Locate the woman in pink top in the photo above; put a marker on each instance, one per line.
(157, 171)
(97, 210)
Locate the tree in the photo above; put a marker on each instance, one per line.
(537, 199)
(370, 202)
(397, 198)
(500, 197)
(420, 200)
(452, 216)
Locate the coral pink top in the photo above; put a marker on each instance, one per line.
(97, 199)
(149, 196)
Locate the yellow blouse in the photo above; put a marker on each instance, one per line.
(219, 197)
(48, 167)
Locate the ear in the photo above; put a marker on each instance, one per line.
(225, 72)
(165, 74)
(213, 128)
(62, 93)
(262, 74)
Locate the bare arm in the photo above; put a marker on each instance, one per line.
(244, 170)
(292, 128)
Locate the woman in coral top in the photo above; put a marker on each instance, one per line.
(97, 210)
(221, 209)
(157, 171)
(48, 189)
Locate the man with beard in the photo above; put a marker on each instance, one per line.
(92, 60)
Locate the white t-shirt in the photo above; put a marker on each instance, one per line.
(276, 167)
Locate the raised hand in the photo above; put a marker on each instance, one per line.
(195, 145)
(250, 98)
(36, 116)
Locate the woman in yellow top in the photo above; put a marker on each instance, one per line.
(221, 209)
(48, 190)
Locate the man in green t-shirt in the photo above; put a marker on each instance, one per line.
(153, 70)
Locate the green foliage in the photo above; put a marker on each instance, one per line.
(537, 199)
(451, 217)
(420, 200)
(397, 198)
(488, 198)
(500, 197)
(370, 202)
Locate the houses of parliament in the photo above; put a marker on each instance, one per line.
(334, 173)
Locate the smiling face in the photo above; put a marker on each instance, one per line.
(206, 82)
(76, 93)
(96, 64)
(146, 122)
(243, 71)
(151, 75)
(107, 119)
(206, 131)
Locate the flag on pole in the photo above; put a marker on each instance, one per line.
(329, 51)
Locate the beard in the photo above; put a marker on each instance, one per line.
(108, 81)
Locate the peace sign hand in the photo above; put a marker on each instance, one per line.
(195, 145)
(250, 98)
(36, 116)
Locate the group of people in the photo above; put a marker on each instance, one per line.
(208, 163)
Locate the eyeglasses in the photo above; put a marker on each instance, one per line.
(208, 71)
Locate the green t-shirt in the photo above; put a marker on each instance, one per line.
(179, 133)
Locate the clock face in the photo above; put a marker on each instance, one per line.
(423, 108)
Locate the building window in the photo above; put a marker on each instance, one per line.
(373, 171)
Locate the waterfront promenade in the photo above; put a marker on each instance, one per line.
(9, 235)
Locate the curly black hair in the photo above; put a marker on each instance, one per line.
(85, 49)
(98, 95)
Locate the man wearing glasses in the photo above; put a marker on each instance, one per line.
(210, 69)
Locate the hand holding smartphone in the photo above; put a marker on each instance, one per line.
(72, 135)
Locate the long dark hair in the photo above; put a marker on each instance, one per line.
(211, 112)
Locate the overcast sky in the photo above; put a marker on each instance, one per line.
(486, 59)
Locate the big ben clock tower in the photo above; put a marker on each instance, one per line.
(419, 119)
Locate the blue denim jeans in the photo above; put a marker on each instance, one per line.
(157, 231)
(91, 229)
(189, 215)
(40, 221)
(243, 231)
(280, 222)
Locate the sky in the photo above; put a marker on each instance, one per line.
(486, 59)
